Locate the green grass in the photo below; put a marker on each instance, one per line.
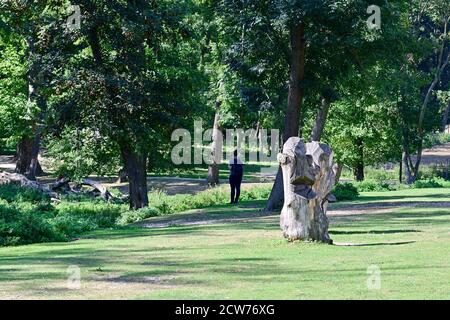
(248, 259)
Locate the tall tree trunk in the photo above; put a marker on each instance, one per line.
(136, 167)
(339, 169)
(213, 168)
(35, 82)
(321, 119)
(445, 117)
(295, 95)
(24, 157)
(34, 163)
(358, 169)
(23, 154)
(409, 174)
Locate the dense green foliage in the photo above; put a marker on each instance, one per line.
(135, 71)
(345, 191)
(27, 216)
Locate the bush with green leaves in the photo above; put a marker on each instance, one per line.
(372, 185)
(15, 193)
(28, 216)
(128, 217)
(345, 191)
(431, 183)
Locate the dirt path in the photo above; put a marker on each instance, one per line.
(200, 217)
(437, 154)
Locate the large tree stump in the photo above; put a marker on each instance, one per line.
(308, 178)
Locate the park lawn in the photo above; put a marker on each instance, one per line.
(248, 260)
(399, 197)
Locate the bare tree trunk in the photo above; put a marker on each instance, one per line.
(339, 172)
(358, 169)
(24, 158)
(34, 163)
(213, 169)
(358, 172)
(136, 167)
(23, 154)
(321, 119)
(400, 172)
(295, 95)
(409, 173)
(445, 117)
(35, 82)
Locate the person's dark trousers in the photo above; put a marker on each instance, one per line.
(235, 184)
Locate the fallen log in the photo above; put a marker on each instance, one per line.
(21, 180)
(60, 186)
(63, 185)
(104, 193)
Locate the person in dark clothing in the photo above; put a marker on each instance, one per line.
(236, 174)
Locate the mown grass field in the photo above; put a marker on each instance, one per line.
(248, 259)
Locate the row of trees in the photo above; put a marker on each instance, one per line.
(109, 93)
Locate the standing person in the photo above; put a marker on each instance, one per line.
(236, 174)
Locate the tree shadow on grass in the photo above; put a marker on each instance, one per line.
(392, 231)
(399, 243)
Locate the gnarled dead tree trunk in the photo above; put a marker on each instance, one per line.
(308, 178)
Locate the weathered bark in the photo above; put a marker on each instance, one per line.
(23, 154)
(26, 158)
(63, 185)
(34, 163)
(295, 96)
(308, 178)
(213, 168)
(104, 193)
(321, 119)
(136, 167)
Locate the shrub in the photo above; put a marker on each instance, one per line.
(133, 216)
(15, 193)
(27, 216)
(345, 191)
(431, 183)
(24, 224)
(372, 185)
